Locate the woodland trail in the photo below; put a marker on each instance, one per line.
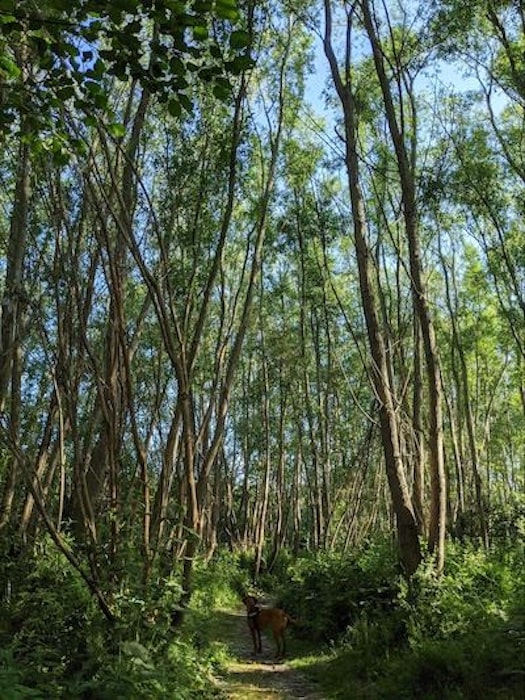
(247, 678)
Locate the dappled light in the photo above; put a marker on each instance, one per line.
(262, 349)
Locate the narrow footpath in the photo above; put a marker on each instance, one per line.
(250, 678)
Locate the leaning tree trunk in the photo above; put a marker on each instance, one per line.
(407, 529)
(406, 169)
(12, 315)
(265, 491)
(461, 378)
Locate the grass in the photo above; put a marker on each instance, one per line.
(486, 665)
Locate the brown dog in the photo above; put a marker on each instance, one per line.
(260, 618)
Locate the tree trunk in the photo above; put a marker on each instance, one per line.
(408, 541)
(12, 310)
(405, 163)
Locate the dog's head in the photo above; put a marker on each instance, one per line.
(250, 601)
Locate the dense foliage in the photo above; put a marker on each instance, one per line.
(56, 643)
(358, 622)
(458, 635)
(262, 292)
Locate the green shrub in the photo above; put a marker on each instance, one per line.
(478, 589)
(179, 672)
(485, 664)
(459, 635)
(47, 620)
(56, 643)
(219, 582)
(12, 685)
(329, 593)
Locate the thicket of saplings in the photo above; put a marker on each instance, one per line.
(361, 623)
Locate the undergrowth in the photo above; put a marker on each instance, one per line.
(363, 631)
(459, 635)
(55, 643)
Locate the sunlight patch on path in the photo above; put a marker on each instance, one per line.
(263, 678)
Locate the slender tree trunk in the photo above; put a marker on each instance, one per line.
(405, 163)
(263, 503)
(280, 496)
(12, 310)
(462, 385)
(418, 488)
(296, 499)
(409, 548)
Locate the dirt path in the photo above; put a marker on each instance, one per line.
(248, 678)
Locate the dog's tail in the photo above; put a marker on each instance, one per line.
(291, 620)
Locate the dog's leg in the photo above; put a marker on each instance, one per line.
(279, 643)
(283, 645)
(253, 631)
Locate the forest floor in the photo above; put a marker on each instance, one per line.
(257, 678)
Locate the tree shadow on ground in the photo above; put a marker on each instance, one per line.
(254, 677)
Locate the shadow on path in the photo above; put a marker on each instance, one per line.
(255, 678)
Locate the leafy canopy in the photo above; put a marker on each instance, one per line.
(56, 51)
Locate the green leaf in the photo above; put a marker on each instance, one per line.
(177, 66)
(35, 24)
(9, 67)
(59, 5)
(227, 9)
(83, 105)
(239, 64)
(117, 130)
(202, 6)
(92, 31)
(175, 6)
(101, 100)
(186, 103)
(222, 89)
(239, 39)
(174, 107)
(200, 33)
(9, 27)
(97, 70)
(126, 5)
(61, 157)
(187, 20)
(66, 92)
